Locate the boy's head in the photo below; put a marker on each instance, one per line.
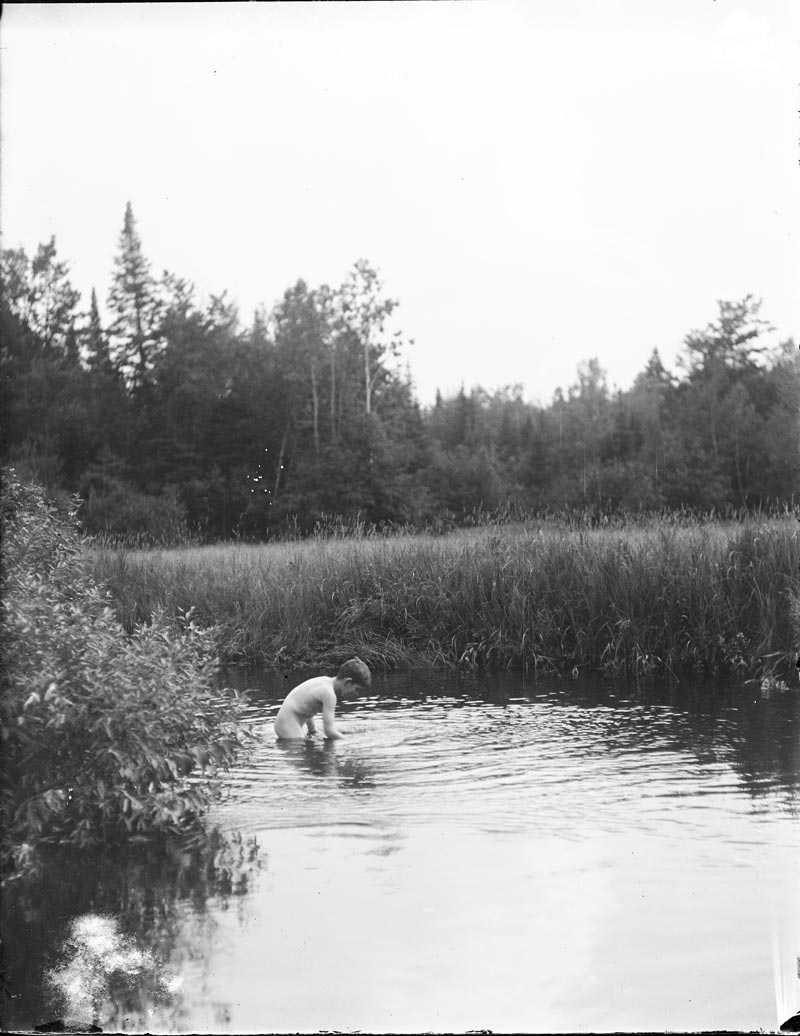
(353, 676)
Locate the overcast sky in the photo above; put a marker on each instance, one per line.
(537, 182)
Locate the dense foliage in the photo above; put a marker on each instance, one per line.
(99, 728)
(175, 419)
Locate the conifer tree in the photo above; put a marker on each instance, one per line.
(95, 341)
(134, 304)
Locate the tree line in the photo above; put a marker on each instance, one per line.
(175, 416)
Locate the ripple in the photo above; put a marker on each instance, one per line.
(510, 765)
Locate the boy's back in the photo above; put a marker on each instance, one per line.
(302, 703)
(320, 694)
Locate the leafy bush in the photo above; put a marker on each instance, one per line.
(100, 729)
(116, 511)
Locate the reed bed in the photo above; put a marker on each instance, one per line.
(656, 598)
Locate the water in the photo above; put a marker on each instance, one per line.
(474, 854)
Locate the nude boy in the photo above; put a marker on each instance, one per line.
(320, 694)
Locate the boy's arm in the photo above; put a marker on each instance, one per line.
(328, 714)
(311, 726)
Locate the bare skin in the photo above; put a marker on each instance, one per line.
(308, 699)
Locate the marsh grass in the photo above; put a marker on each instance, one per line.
(667, 598)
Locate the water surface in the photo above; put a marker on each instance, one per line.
(474, 854)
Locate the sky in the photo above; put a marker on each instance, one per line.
(537, 182)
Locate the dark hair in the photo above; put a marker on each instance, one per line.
(356, 670)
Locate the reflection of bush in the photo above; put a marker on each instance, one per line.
(155, 899)
(100, 729)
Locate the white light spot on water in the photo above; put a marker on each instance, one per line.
(173, 983)
(94, 950)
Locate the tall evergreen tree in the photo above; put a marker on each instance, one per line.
(95, 341)
(134, 304)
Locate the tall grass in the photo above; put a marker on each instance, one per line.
(656, 597)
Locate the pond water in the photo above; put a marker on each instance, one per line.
(476, 853)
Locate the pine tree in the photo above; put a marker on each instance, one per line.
(95, 341)
(134, 303)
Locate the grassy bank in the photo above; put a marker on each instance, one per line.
(657, 597)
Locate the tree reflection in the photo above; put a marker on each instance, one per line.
(752, 730)
(766, 746)
(103, 937)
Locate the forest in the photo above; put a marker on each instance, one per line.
(174, 420)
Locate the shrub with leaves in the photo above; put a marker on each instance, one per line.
(117, 512)
(104, 735)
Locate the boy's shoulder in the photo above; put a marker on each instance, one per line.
(315, 685)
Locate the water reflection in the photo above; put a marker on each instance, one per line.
(473, 853)
(326, 759)
(755, 736)
(101, 966)
(102, 937)
(559, 754)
